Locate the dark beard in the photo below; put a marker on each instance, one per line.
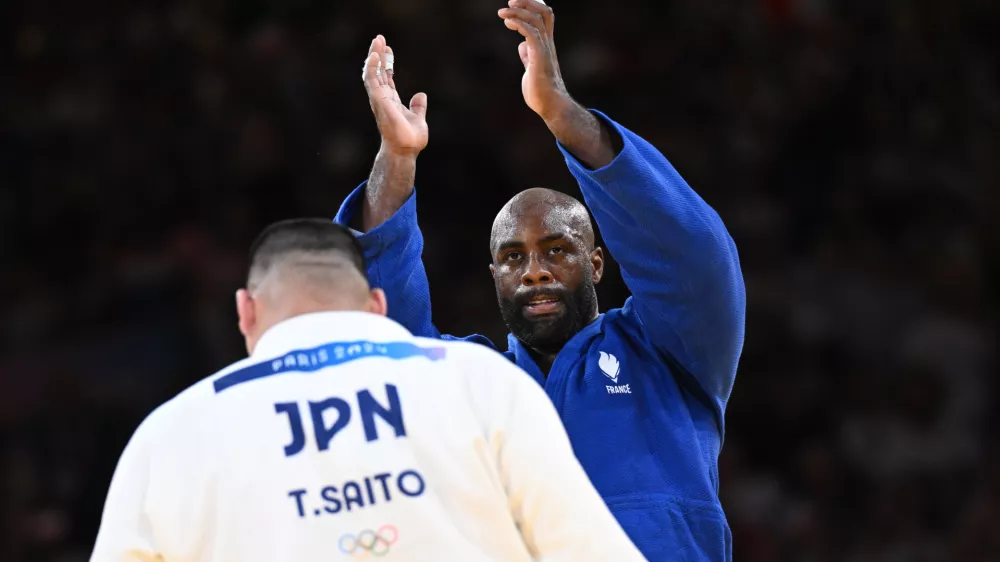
(549, 334)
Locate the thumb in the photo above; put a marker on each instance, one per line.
(418, 104)
(522, 51)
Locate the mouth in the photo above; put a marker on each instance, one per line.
(542, 305)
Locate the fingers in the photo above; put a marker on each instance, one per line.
(522, 51)
(534, 18)
(378, 45)
(535, 40)
(372, 74)
(377, 70)
(389, 60)
(418, 105)
(539, 7)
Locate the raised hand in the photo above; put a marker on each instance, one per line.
(542, 84)
(403, 129)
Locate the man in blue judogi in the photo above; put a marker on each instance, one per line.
(642, 389)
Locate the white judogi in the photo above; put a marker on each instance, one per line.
(344, 437)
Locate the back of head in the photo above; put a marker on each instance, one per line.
(300, 266)
(314, 257)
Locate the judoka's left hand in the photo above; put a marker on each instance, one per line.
(542, 83)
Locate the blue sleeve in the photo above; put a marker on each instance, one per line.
(676, 258)
(393, 251)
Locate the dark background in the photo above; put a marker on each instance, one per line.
(851, 146)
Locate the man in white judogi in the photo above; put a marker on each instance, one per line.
(343, 436)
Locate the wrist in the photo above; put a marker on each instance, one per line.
(389, 185)
(562, 109)
(396, 154)
(583, 134)
(394, 171)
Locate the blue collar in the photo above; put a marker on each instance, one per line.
(573, 348)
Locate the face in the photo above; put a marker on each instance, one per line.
(545, 272)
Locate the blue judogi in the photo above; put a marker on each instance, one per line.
(642, 390)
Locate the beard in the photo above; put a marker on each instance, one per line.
(548, 334)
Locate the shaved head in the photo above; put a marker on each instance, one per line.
(545, 266)
(328, 279)
(302, 266)
(557, 208)
(308, 259)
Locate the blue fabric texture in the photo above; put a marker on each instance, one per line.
(642, 390)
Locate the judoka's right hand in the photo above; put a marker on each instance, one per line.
(403, 129)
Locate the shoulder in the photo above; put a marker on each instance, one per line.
(625, 321)
(493, 385)
(474, 338)
(483, 367)
(185, 412)
(468, 350)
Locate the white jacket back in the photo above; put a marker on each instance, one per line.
(344, 437)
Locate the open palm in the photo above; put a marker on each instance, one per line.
(542, 84)
(403, 129)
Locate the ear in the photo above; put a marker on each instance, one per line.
(597, 262)
(493, 271)
(377, 303)
(246, 310)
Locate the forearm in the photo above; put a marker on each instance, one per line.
(389, 186)
(584, 135)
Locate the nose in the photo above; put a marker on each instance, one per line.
(535, 273)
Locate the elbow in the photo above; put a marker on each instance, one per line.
(721, 283)
(732, 304)
(732, 287)
(722, 262)
(733, 272)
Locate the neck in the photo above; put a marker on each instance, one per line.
(543, 359)
(291, 309)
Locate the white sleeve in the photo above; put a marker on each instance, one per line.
(559, 513)
(125, 534)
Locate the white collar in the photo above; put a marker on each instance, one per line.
(318, 328)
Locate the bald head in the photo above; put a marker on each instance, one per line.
(554, 211)
(545, 266)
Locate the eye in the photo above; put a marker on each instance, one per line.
(556, 250)
(512, 256)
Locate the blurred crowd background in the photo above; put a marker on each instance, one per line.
(850, 146)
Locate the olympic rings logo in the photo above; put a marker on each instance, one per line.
(369, 543)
